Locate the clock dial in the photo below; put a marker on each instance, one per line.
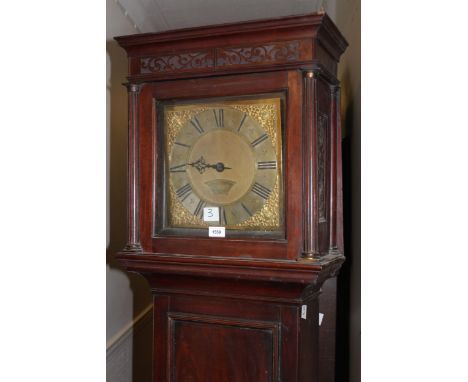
(221, 163)
(223, 156)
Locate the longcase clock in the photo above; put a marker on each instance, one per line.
(234, 195)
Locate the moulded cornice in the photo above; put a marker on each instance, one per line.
(316, 20)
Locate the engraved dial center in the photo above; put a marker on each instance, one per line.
(233, 166)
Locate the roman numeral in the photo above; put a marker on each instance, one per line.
(199, 210)
(242, 122)
(219, 117)
(259, 140)
(182, 144)
(246, 209)
(196, 123)
(267, 165)
(222, 216)
(179, 168)
(261, 191)
(183, 192)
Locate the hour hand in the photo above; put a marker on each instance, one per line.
(201, 165)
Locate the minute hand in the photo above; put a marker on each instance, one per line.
(220, 167)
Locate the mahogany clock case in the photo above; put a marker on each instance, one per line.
(244, 308)
(152, 166)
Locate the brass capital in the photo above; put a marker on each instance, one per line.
(133, 88)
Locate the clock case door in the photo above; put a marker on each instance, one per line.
(288, 84)
(162, 202)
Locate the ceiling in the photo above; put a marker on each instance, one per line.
(160, 15)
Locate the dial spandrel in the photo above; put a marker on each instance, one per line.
(223, 155)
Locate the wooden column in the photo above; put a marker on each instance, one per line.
(339, 240)
(333, 165)
(133, 239)
(310, 216)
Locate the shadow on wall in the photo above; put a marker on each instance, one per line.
(349, 280)
(133, 289)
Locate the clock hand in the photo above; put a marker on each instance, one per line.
(201, 165)
(220, 167)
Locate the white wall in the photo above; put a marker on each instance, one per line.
(119, 296)
(128, 297)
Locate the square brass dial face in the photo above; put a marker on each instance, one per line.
(226, 154)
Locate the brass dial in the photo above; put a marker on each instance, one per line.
(223, 157)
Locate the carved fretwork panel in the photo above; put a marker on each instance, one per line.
(323, 132)
(322, 145)
(177, 62)
(226, 58)
(259, 54)
(317, 148)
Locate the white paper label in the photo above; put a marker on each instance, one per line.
(320, 318)
(304, 312)
(216, 231)
(211, 214)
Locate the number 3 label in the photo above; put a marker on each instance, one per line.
(211, 214)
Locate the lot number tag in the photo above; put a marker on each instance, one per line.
(216, 231)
